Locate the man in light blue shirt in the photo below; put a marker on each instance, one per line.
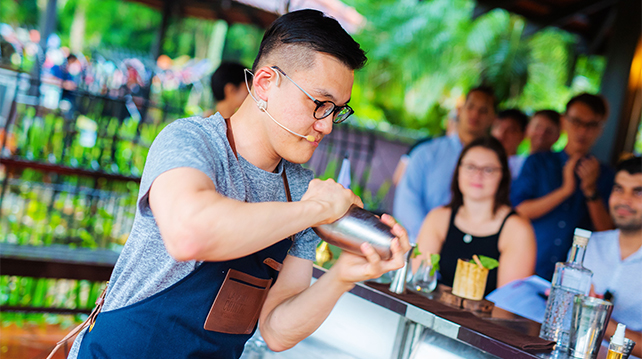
(615, 256)
(426, 182)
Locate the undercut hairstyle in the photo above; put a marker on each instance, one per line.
(631, 165)
(297, 35)
(227, 73)
(515, 114)
(596, 103)
(487, 90)
(552, 115)
(503, 190)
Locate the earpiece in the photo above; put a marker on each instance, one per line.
(261, 104)
(278, 77)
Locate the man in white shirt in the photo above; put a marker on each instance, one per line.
(615, 256)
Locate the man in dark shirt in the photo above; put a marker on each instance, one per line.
(568, 189)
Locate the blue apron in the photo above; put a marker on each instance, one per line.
(172, 323)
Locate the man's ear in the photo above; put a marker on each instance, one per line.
(264, 79)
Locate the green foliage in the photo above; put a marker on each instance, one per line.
(434, 261)
(488, 263)
(19, 12)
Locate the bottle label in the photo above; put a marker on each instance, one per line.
(576, 282)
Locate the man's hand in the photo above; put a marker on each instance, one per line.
(351, 268)
(334, 199)
(568, 175)
(588, 170)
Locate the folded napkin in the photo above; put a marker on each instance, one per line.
(469, 320)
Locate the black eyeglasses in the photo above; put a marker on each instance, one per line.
(589, 125)
(324, 108)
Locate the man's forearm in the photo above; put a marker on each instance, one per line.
(223, 228)
(538, 207)
(599, 216)
(299, 316)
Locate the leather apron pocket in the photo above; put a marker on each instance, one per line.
(238, 304)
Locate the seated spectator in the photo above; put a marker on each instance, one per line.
(543, 130)
(479, 219)
(426, 182)
(615, 256)
(228, 88)
(509, 128)
(564, 190)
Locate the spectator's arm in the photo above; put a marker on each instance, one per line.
(599, 215)
(432, 234)
(538, 207)
(409, 208)
(518, 249)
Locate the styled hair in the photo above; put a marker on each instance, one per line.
(596, 103)
(552, 115)
(311, 30)
(486, 90)
(632, 165)
(503, 190)
(516, 115)
(227, 73)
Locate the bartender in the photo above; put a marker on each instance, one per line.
(225, 209)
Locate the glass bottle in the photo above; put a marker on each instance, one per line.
(570, 279)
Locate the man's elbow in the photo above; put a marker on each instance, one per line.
(277, 344)
(184, 243)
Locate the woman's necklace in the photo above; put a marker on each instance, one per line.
(468, 238)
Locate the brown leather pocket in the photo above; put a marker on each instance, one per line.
(238, 304)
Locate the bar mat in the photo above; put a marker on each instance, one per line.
(469, 320)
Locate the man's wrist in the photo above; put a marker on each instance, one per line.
(591, 196)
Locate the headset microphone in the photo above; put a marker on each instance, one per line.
(262, 105)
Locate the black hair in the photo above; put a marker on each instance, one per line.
(596, 103)
(516, 115)
(632, 165)
(503, 191)
(71, 57)
(227, 73)
(313, 30)
(487, 90)
(552, 115)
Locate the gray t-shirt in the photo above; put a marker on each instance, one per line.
(144, 267)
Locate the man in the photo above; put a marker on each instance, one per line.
(426, 182)
(564, 190)
(509, 128)
(543, 130)
(615, 256)
(67, 74)
(212, 227)
(228, 88)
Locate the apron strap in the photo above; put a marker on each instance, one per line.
(89, 322)
(230, 139)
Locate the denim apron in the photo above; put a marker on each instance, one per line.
(176, 322)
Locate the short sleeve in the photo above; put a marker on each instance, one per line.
(305, 245)
(183, 143)
(524, 186)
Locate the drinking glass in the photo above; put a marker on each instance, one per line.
(423, 280)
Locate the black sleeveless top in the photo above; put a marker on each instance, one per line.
(455, 246)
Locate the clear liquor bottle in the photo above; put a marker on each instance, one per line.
(570, 279)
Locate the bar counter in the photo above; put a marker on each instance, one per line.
(374, 323)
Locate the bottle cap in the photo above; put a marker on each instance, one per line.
(581, 236)
(618, 337)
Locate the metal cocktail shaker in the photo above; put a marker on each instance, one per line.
(356, 227)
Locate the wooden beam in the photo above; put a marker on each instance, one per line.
(562, 15)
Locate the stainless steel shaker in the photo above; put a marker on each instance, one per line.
(356, 227)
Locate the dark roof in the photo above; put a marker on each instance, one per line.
(228, 10)
(592, 20)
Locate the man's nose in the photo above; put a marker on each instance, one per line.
(324, 125)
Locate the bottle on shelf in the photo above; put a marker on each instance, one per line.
(570, 279)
